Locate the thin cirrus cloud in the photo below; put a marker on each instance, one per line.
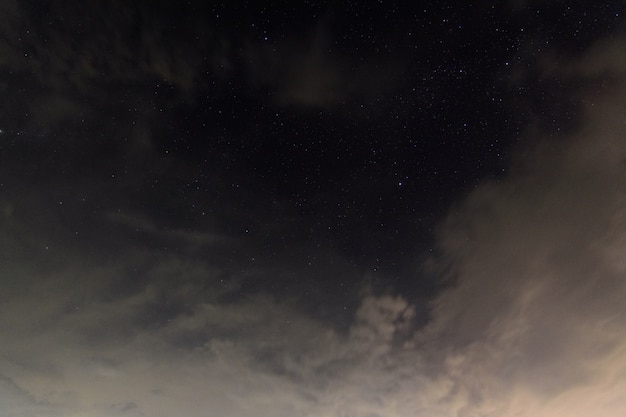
(532, 323)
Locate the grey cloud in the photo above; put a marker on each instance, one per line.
(379, 320)
(305, 74)
(144, 225)
(92, 345)
(17, 402)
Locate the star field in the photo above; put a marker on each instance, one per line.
(358, 209)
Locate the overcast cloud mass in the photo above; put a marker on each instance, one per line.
(109, 309)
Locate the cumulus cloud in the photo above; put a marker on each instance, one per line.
(531, 323)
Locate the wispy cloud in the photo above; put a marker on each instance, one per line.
(314, 73)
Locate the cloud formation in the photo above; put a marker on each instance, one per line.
(534, 324)
(531, 323)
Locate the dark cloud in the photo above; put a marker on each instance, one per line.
(73, 68)
(76, 49)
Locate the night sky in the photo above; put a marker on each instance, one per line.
(312, 209)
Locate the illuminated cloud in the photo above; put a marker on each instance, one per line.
(532, 325)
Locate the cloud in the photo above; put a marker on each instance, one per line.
(535, 310)
(75, 67)
(604, 60)
(311, 73)
(531, 323)
(15, 401)
(78, 48)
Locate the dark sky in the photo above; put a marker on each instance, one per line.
(315, 209)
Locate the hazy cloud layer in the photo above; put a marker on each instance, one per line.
(532, 323)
